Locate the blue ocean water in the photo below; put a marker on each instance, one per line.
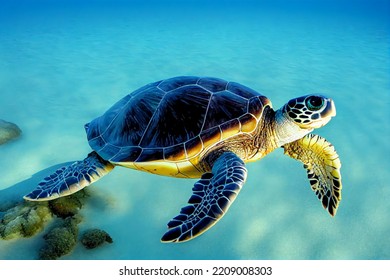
(64, 63)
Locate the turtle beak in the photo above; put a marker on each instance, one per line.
(333, 108)
(330, 109)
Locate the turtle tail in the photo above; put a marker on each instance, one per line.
(71, 178)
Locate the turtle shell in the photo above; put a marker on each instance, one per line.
(174, 119)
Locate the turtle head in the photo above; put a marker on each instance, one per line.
(310, 111)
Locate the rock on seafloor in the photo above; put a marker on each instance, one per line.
(8, 131)
(61, 217)
(24, 220)
(93, 238)
(60, 240)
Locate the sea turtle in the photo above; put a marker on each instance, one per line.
(207, 128)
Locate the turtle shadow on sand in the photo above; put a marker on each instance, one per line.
(58, 218)
(13, 195)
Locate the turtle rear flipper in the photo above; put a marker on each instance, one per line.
(212, 196)
(323, 165)
(72, 178)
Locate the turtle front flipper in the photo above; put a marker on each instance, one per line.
(72, 178)
(323, 168)
(212, 196)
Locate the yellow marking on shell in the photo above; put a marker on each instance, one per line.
(257, 106)
(187, 168)
(230, 129)
(179, 155)
(195, 148)
(258, 114)
(182, 169)
(265, 101)
(209, 140)
(248, 123)
(194, 161)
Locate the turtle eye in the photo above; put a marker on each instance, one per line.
(314, 103)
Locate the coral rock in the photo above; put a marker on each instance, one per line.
(95, 237)
(8, 131)
(67, 206)
(24, 220)
(61, 240)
